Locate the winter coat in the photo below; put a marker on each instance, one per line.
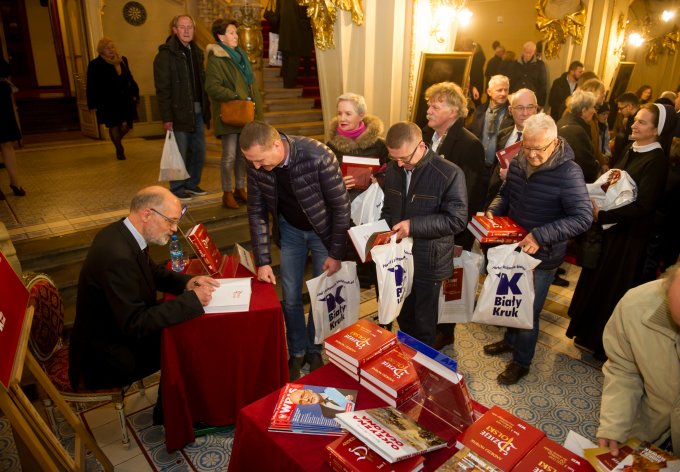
(436, 205)
(641, 391)
(476, 126)
(224, 81)
(559, 92)
(368, 144)
(552, 204)
(317, 182)
(532, 75)
(172, 78)
(577, 133)
(114, 96)
(295, 29)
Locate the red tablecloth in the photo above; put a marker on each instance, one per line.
(255, 448)
(215, 364)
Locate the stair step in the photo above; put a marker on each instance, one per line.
(310, 128)
(273, 82)
(282, 93)
(271, 72)
(292, 116)
(281, 104)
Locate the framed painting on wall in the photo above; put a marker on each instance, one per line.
(435, 68)
(619, 86)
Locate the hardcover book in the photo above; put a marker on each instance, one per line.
(206, 250)
(392, 371)
(497, 226)
(360, 342)
(348, 369)
(361, 168)
(365, 237)
(390, 400)
(506, 155)
(549, 456)
(634, 455)
(492, 239)
(13, 304)
(390, 433)
(348, 454)
(311, 409)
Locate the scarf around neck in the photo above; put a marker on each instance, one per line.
(239, 56)
(352, 134)
(115, 62)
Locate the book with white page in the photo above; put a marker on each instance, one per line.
(233, 295)
(361, 234)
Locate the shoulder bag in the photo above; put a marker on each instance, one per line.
(237, 112)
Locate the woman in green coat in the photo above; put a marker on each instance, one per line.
(230, 77)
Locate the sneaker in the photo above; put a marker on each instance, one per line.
(182, 196)
(495, 349)
(512, 373)
(560, 282)
(196, 191)
(314, 360)
(295, 363)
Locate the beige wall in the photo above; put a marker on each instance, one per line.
(42, 43)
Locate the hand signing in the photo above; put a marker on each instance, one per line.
(529, 244)
(203, 287)
(266, 274)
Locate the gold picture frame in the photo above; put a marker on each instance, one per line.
(435, 68)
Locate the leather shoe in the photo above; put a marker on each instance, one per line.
(495, 349)
(314, 360)
(241, 194)
(512, 373)
(442, 340)
(561, 271)
(157, 416)
(560, 282)
(295, 363)
(228, 200)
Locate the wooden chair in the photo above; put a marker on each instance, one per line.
(51, 352)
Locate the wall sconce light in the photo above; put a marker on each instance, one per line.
(667, 15)
(464, 17)
(636, 39)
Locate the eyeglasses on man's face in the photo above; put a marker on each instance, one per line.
(170, 221)
(538, 149)
(522, 109)
(408, 159)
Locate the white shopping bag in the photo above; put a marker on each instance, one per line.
(334, 300)
(394, 267)
(614, 189)
(172, 164)
(507, 297)
(275, 56)
(457, 295)
(366, 208)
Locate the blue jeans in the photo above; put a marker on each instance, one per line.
(295, 245)
(192, 148)
(524, 340)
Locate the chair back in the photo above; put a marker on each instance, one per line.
(48, 317)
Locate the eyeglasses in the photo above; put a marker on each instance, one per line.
(170, 221)
(521, 109)
(406, 160)
(539, 149)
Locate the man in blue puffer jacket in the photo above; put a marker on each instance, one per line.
(545, 193)
(297, 180)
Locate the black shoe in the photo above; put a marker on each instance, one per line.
(498, 348)
(158, 413)
(314, 360)
(560, 282)
(561, 271)
(196, 191)
(120, 156)
(295, 363)
(442, 340)
(600, 356)
(182, 196)
(512, 373)
(581, 344)
(17, 190)
(387, 326)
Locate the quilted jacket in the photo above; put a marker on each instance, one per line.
(318, 186)
(552, 203)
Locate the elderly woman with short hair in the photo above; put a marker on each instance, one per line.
(574, 127)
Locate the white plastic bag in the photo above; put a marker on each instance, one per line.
(366, 208)
(334, 300)
(172, 164)
(275, 56)
(620, 187)
(507, 297)
(394, 267)
(457, 295)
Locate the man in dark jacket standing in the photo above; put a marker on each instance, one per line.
(545, 194)
(529, 72)
(297, 180)
(179, 76)
(425, 199)
(563, 87)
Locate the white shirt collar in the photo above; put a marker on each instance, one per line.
(647, 147)
(138, 237)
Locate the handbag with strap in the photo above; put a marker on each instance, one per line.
(237, 112)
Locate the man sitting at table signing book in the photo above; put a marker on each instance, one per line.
(298, 181)
(117, 333)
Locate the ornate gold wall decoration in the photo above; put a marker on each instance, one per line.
(323, 13)
(556, 30)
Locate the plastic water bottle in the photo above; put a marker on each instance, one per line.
(176, 254)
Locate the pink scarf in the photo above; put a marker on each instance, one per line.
(353, 134)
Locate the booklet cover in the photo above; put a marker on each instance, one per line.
(359, 342)
(361, 168)
(311, 409)
(348, 454)
(390, 433)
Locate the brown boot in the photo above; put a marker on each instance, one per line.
(228, 200)
(241, 194)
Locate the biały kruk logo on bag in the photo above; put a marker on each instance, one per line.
(400, 280)
(508, 295)
(335, 303)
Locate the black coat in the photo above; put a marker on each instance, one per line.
(495, 181)
(436, 205)
(317, 182)
(295, 30)
(114, 96)
(559, 92)
(117, 315)
(532, 75)
(577, 134)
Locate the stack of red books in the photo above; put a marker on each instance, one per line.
(349, 454)
(354, 346)
(391, 375)
(499, 230)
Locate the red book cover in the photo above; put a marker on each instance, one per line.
(360, 342)
(609, 461)
(453, 287)
(500, 438)
(361, 168)
(396, 402)
(506, 155)
(492, 239)
(549, 456)
(205, 248)
(349, 454)
(392, 371)
(497, 226)
(350, 370)
(13, 303)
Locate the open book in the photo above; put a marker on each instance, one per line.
(361, 168)
(365, 237)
